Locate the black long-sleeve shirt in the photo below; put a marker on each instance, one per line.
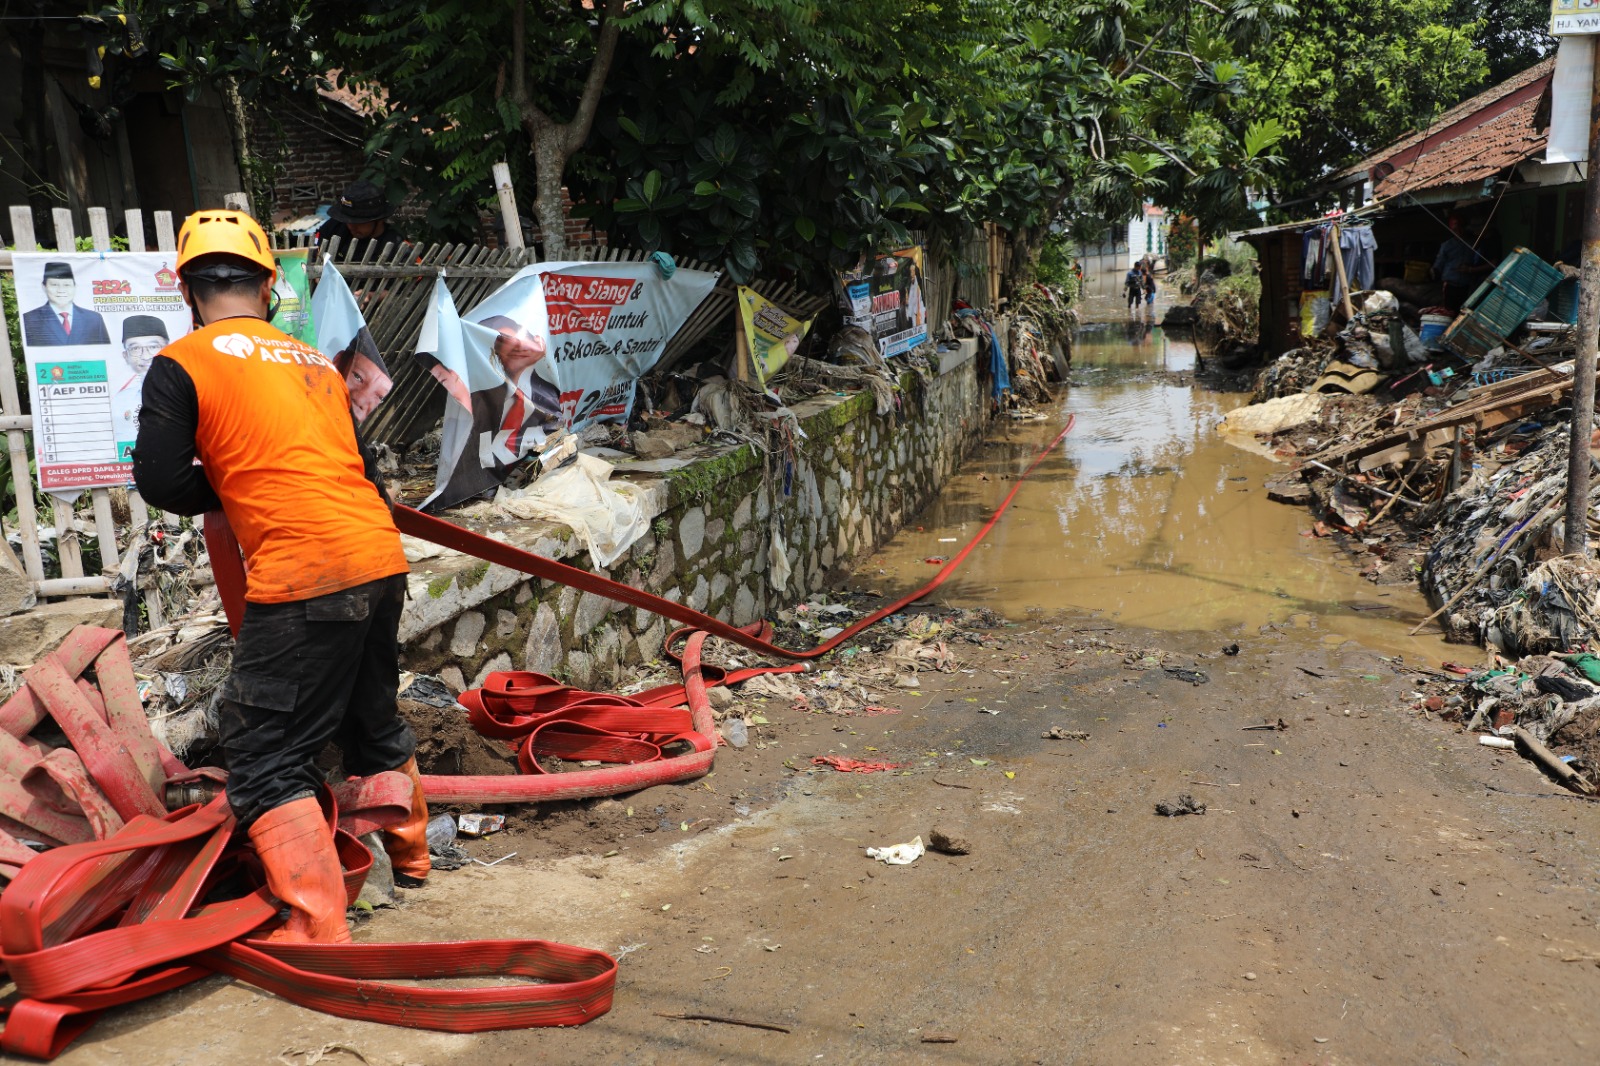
(164, 468)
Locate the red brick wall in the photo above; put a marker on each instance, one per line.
(321, 152)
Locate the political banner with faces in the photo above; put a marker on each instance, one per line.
(559, 345)
(341, 333)
(92, 323)
(884, 297)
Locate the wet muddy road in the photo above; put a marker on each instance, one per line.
(1356, 892)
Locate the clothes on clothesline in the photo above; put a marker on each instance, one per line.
(1358, 246)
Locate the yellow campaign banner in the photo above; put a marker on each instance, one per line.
(771, 334)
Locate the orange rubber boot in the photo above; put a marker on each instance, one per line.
(296, 849)
(407, 843)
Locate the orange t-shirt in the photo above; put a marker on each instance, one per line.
(279, 447)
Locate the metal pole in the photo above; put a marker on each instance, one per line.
(1576, 541)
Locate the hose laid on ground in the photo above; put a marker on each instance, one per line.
(570, 712)
(446, 535)
(159, 900)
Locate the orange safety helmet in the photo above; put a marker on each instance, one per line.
(230, 233)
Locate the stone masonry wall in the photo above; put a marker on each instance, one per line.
(856, 479)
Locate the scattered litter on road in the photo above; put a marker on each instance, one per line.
(939, 1038)
(1184, 804)
(899, 854)
(1057, 733)
(480, 825)
(1279, 724)
(1496, 742)
(721, 1021)
(1194, 677)
(496, 862)
(853, 766)
(1231, 649)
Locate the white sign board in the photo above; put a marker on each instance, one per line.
(1574, 16)
(91, 325)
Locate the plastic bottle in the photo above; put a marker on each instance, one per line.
(735, 732)
(441, 831)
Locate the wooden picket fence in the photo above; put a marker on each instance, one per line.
(393, 286)
(17, 425)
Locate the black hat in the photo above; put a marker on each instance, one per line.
(143, 326)
(361, 201)
(56, 270)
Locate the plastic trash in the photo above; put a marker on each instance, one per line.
(1496, 742)
(899, 854)
(441, 831)
(735, 732)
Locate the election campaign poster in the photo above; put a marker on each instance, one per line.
(884, 297)
(342, 335)
(771, 334)
(292, 292)
(92, 323)
(559, 345)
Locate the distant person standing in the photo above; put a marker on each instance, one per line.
(1460, 265)
(1147, 285)
(1134, 287)
(360, 214)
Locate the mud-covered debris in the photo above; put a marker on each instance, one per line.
(948, 841)
(1194, 677)
(1231, 649)
(424, 688)
(1057, 733)
(1184, 804)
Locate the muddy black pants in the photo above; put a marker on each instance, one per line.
(304, 674)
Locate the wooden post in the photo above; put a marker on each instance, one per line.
(1344, 279)
(508, 205)
(1576, 538)
(66, 533)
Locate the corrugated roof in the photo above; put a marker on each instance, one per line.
(1461, 112)
(1479, 153)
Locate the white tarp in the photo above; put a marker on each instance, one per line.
(608, 517)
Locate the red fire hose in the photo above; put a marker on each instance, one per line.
(581, 725)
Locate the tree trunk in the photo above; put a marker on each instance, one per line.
(555, 142)
(549, 163)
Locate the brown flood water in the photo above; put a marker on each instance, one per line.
(1147, 514)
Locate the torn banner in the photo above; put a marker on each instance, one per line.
(342, 335)
(771, 334)
(560, 344)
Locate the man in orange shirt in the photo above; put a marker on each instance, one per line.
(317, 657)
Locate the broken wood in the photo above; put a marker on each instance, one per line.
(1531, 747)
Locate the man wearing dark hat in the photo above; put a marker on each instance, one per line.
(360, 214)
(143, 337)
(59, 321)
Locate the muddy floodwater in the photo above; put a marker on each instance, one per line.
(1146, 513)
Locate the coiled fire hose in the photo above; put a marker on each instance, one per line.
(109, 921)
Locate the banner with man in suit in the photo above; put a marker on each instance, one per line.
(103, 318)
(559, 345)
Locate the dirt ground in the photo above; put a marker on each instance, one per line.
(1354, 893)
